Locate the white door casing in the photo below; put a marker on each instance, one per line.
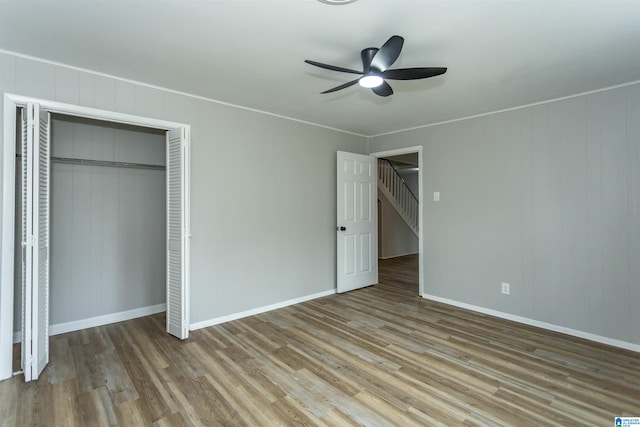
(35, 223)
(357, 225)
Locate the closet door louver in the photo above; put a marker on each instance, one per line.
(26, 261)
(41, 218)
(35, 223)
(177, 234)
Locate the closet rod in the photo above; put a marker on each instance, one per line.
(106, 163)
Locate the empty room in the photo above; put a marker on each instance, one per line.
(320, 212)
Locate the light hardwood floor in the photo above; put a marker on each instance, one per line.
(376, 356)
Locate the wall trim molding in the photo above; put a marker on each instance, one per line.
(255, 110)
(91, 322)
(520, 107)
(544, 325)
(258, 310)
(173, 91)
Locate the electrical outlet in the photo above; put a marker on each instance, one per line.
(506, 288)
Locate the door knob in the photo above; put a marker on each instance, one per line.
(341, 228)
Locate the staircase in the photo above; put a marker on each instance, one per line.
(395, 189)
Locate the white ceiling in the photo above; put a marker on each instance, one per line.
(500, 53)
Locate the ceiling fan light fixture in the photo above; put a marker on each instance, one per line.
(376, 72)
(370, 80)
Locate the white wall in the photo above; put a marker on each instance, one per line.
(545, 197)
(259, 237)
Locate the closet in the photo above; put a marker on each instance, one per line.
(95, 234)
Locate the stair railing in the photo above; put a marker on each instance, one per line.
(398, 192)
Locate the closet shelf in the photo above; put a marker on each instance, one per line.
(105, 163)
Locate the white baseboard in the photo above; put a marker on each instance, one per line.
(544, 325)
(235, 316)
(76, 325)
(398, 256)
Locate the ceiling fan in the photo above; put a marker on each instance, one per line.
(375, 72)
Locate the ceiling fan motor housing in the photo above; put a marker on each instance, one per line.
(367, 56)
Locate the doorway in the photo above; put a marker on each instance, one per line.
(177, 208)
(107, 224)
(409, 159)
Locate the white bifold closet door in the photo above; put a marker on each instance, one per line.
(35, 240)
(35, 138)
(177, 233)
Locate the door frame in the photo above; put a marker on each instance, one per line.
(7, 209)
(411, 150)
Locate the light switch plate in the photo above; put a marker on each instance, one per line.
(436, 196)
(506, 288)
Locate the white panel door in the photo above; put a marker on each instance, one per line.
(35, 222)
(177, 234)
(357, 224)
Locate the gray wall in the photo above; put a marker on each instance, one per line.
(108, 224)
(263, 203)
(545, 197)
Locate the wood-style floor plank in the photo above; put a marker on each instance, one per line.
(376, 356)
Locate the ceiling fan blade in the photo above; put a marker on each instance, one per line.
(388, 53)
(383, 90)
(332, 67)
(342, 86)
(413, 73)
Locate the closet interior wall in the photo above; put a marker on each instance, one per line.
(108, 223)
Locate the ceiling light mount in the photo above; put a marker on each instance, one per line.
(336, 2)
